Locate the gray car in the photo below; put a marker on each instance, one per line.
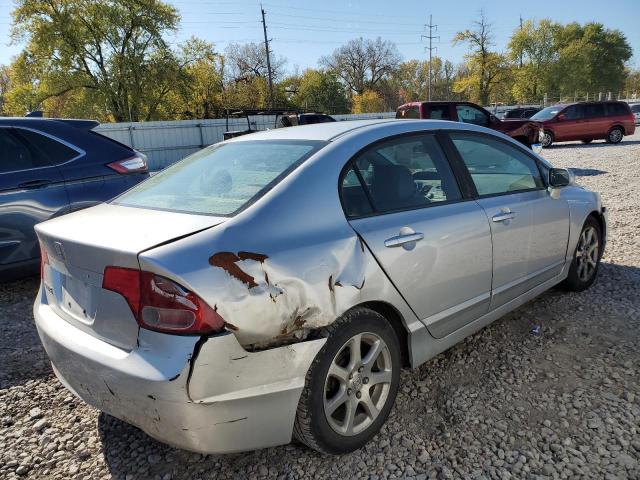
(274, 285)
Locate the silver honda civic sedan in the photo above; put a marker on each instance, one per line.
(273, 286)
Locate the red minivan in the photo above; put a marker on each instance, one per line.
(586, 121)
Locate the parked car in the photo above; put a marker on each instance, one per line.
(521, 112)
(586, 121)
(275, 284)
(51, 167)
(635, 109)
(525, 131)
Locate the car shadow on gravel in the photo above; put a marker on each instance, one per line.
(587, 172)
(596, 144)
(21, 353)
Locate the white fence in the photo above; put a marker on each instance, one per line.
(167, 142)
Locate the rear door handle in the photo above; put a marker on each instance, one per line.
(34, 184)
(403, 239)
(503, 216)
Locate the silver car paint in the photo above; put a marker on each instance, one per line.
(290, 264)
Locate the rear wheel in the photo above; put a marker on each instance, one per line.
(588, 140)
(586, 258)
(615, 135)
(351, 385)
(547, 139)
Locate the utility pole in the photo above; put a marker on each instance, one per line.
(432, 27)
(521, 48)
(266, 47)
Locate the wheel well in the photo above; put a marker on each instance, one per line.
(597, 216)
(621, 127)
(395, 319)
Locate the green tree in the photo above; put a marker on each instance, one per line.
(5, 86)
(534, 45)
(485, 69)
(368, 101)
(115, 49)
(320, 90)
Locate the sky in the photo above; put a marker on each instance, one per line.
(303, 31)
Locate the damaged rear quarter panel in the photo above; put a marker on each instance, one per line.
(288, 265)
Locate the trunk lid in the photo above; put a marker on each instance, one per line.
(80, 245)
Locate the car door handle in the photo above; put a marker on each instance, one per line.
(399, 240)
(34, 184)
(503, 216)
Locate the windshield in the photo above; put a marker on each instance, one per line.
(221, 179)
(546, 113)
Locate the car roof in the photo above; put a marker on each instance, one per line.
(332, 131)
(317, 131)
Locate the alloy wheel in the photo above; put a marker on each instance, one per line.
(615, 135)
(587, 254)
(357, 384)
(547, 140)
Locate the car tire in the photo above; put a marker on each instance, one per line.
(588, 140)
(615, 135)
(580, 279)
(547, 139)
(341, 408)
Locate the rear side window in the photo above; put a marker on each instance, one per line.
(616, 109)
(593, 110)
(410, 112)
(439, 112)
(45, 150)
(221, 179)
(399, 174)
(24, 150)
(496, 167)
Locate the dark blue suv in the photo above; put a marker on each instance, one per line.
(49, 167)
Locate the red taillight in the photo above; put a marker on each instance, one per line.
(44, 260)
(134, 164)
(161, 304)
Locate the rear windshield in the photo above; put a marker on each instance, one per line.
(546, 113)
(221, 179)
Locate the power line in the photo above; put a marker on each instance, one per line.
(430, 48)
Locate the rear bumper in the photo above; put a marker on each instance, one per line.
(207, 395)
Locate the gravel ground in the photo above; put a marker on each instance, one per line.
(506, 403)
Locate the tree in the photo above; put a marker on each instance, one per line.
(534, 45)
(368, 101)
(246, 61)
(485, 68)
(363, 63)
(115, 49)
(5, 86)
(320, 90)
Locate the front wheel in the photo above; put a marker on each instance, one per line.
(547, 139)
(351, 385)
(586, 258)
(615, 135)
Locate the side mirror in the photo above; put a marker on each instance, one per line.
(560, 177)
(493, 118)
(561, 117)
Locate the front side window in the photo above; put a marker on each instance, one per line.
(221, 179)
(574, 112)
(402, 173)
(469, 114)
(439, 112)
(496, 167)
